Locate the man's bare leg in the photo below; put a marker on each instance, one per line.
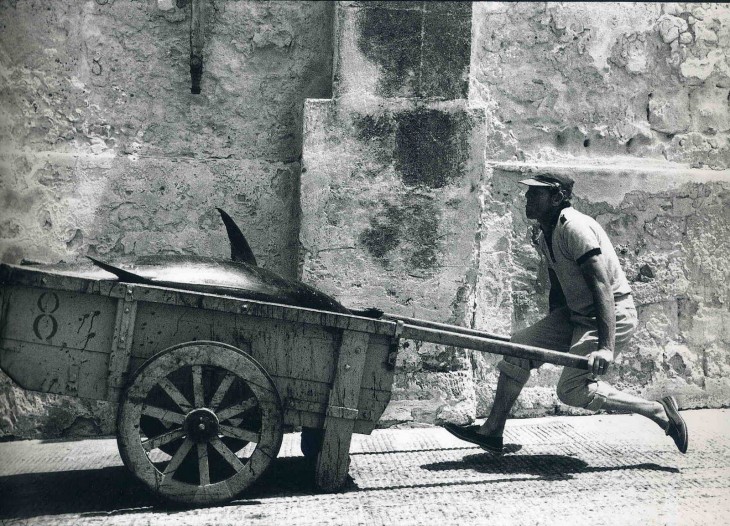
(508, 389)
(628, 403)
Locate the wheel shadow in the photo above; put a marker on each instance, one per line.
(103, 490)
(115, 490)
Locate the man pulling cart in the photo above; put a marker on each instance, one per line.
(592, 314)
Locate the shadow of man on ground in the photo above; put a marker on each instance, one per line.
(543, 466)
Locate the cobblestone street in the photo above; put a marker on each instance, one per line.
(607, 469)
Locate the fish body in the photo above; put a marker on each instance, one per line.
(229, 278)
(239, 277)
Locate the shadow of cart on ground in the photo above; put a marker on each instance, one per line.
(115, 491)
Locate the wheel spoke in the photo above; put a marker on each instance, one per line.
(203, 468)
(198, 399)
(236, 409)
(177, 458)
(243, 434)
(162, 439)
(176, 395)
(227, 454)
(221, 391)
(163, 414)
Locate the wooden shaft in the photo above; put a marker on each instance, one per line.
(444, 326)
(450, 337)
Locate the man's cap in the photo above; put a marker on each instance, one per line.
(561, 181)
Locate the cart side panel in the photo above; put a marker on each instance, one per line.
(283, 348)
(57, 341)
(307, 401)
(300, 357)
(378, 370)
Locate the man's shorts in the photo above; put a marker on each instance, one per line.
(566, 331)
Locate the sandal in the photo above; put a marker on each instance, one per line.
(676, 428)
(469, 434)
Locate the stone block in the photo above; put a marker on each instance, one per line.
(710, 109)
(431, 146)
(709, 326)
(26, 414)
(715, 394)
(446, 55)
(534, 401)
(392, 41)
(716, 362)
(400, 5)
(670, 27)
(681, 361)
(432, 398)
(456, 8)
(391, 205)
(669, 112)
(403, 50)
(700, 151)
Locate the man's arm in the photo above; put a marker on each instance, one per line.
(596, 276)
(556, 299)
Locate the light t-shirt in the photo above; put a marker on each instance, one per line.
(576, 238)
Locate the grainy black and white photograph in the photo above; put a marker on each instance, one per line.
(364, 263)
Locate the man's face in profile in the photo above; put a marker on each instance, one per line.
(538, 202)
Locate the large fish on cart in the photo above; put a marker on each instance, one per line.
(241, 277)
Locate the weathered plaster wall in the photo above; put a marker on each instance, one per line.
(104, 151)
(391, 171)
(603, 79)
(630, 99)
(408, 195)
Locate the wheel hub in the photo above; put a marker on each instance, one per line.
(201, 425)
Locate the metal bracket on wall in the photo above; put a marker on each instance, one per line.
(196, 44)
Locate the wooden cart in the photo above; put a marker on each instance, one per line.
(206, 384)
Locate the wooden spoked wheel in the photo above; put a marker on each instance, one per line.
(199, 423)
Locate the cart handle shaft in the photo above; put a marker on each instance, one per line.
(480, 343)
(417, 322)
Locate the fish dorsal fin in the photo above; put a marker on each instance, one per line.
(240, 250)
(123, 275)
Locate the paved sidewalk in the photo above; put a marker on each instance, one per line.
(597, 470)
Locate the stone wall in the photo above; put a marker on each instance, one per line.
(632, 101)
(104, 150)
(609, 79)
(629, 99)
(392, 169)
(416, 129)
